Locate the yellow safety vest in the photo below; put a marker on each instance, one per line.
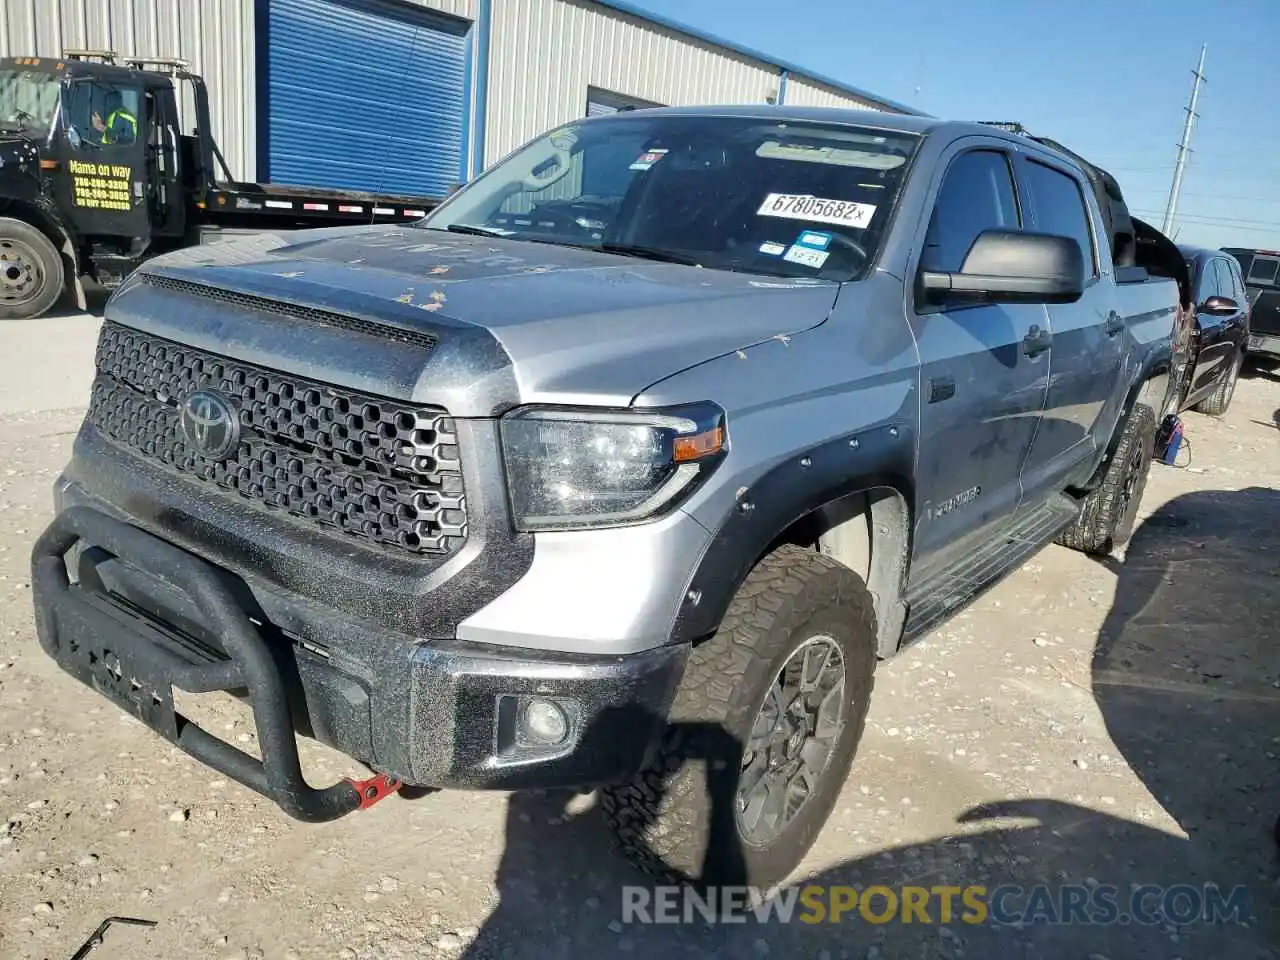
(121, 115)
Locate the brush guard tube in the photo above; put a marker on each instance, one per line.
(136, 665)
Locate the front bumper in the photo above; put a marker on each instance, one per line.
(1267, 344)
(141, 617)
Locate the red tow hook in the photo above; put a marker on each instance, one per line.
(374, 789)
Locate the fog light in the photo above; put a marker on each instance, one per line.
(544, 722)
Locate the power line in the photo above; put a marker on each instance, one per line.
(1226, 221)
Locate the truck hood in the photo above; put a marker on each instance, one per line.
(17, 151)
(575, 325)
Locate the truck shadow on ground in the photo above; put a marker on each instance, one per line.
(1187, 679)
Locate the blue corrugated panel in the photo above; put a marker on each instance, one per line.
(364, 95)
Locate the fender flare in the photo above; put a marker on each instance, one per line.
(1157, 368)
(805, 482)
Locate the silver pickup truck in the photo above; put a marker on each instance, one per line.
(619, 471)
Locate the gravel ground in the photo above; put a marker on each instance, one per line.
(1085, 722)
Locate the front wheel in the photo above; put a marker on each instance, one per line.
(31, 271)
(764, 729)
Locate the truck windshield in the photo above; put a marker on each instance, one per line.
(790, 199)
(28, 101)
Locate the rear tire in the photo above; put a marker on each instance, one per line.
(31, 271)
(1107, 515)
(1217, 403)
(683, 819)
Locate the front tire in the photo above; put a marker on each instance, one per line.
(31, 271)
(1217, 403)
(1107, 515)
(764, 729)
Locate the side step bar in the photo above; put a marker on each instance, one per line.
(953, 588)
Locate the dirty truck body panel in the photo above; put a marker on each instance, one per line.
(335, 422)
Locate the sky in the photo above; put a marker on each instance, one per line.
(1108, 78)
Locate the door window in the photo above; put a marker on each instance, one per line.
(101, 114)
(1242, 294)
(1060, 209)
(1226, 282)
(1263, 270)
(977, 195)
(1208, 285)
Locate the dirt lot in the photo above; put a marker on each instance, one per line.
(1088, 723)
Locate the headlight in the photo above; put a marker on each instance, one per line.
(568, 469)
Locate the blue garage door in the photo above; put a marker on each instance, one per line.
(364, 95)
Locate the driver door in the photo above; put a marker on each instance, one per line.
(104, 186)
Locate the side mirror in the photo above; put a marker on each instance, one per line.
(1009, 266)
(1219, 307)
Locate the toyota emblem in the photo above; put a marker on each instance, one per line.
(210, 425)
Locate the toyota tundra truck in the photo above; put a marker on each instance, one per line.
(618, 472)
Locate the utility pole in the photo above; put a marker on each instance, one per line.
(1184, 147)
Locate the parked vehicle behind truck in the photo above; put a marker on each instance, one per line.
(1219, 339)
(96, 177)
(624, 466)
(1261, 271)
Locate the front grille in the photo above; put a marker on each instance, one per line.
(378, 469)
(282, 308)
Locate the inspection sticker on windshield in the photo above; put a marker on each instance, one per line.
(771, 249)
(814, 240)
(806, 256)
(805, 206)
(648, 159)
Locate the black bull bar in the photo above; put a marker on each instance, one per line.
(136, 665)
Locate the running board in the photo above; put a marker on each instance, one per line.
(953, 588)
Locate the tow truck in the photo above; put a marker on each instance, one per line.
(96, 177)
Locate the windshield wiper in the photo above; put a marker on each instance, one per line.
(476, 231)
(648, 253)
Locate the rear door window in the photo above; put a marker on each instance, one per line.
(1060, 208)
(1263, 270)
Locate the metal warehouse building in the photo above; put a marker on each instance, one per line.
(413, 96)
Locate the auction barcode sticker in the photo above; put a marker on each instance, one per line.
(804, 206)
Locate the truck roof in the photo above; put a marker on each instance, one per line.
(896, 122)
(86, 68)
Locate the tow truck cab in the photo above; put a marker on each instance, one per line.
(117, 194)
(97, 175)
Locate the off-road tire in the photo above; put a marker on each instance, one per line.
(1217, 403)
(38, 263)
(676, 819)
(1107, 515)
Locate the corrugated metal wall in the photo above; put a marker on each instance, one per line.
(589, 46)
(216, 36)
(808, 93)
(466, 9)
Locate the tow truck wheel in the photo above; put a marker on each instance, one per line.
(31, 272)
(763, 731)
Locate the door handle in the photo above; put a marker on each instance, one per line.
(1115, 325)
(1037, 341)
